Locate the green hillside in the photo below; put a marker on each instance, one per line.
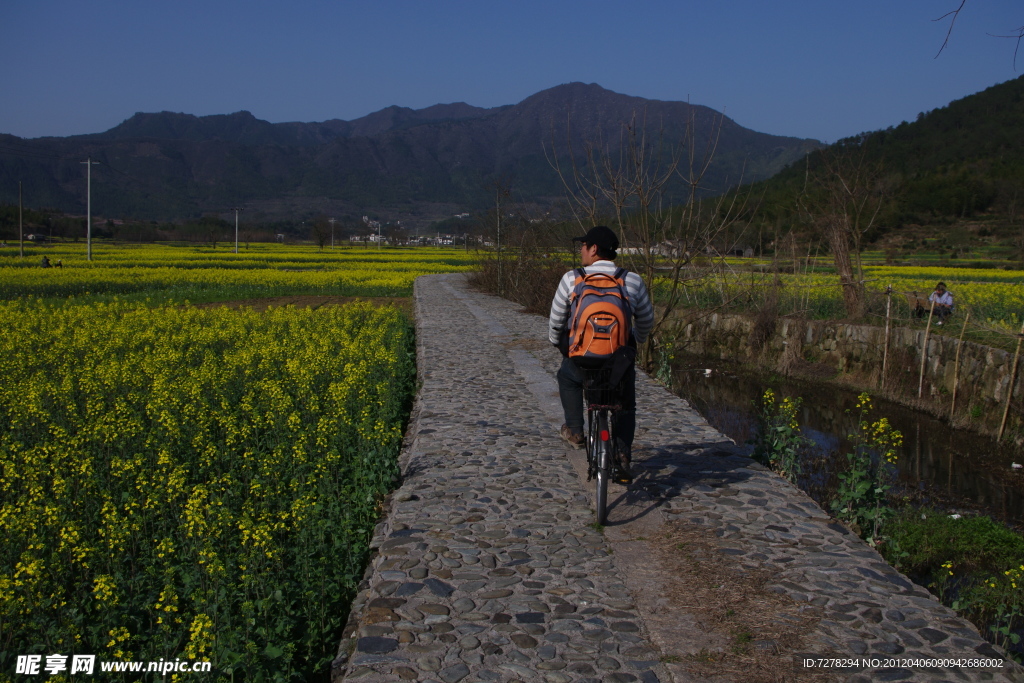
(960, 165)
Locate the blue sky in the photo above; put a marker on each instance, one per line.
(809, 68)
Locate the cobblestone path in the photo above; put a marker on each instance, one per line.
(488, 567)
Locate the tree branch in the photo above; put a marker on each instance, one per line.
(954, 13)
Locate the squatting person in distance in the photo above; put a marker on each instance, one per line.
(942, 301)
(597, 253)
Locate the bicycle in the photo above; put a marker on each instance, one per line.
(603, 402)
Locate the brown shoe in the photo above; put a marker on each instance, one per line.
(570, 437)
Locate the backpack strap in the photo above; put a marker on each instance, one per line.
(620, 275)
(580, 275)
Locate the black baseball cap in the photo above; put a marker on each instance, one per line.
(600, 235)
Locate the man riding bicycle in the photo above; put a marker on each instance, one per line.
(597, 253)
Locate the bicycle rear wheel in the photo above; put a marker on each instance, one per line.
(602, 452)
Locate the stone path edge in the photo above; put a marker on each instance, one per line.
(382, 529)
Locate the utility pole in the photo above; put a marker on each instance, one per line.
(88, 204)
(331, 221)
(21, 231)
(497, 207)
(236, 210)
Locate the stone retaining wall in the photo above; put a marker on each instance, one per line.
(984, 371)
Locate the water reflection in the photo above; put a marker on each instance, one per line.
(936, 465)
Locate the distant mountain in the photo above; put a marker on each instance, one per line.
(171, 166)
(245, 129)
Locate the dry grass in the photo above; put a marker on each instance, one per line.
(764, 629)
(530, 282)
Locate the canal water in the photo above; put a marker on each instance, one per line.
(951, 469)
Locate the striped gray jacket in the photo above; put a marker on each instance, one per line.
(636, 290)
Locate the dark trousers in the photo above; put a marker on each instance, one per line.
(570, 391)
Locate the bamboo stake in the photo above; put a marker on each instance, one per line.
(956, 367)
(885, 349)
(1009, 390)
(949, 472)
(924, 350)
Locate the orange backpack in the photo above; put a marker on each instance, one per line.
(600, 316)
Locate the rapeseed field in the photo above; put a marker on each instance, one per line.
(994, 297)
(195, 483)
(165, 273)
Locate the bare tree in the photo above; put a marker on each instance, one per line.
(502, 193)
(653, 191)
(1016, 34)
(321, 231)
(842, 200)
(534, 243)
(212, 228)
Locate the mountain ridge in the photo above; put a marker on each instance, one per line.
(175, 165)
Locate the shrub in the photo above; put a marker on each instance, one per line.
(974, 564)
(862, 500)
(528, 280)
(931, 537)
(779, 442)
